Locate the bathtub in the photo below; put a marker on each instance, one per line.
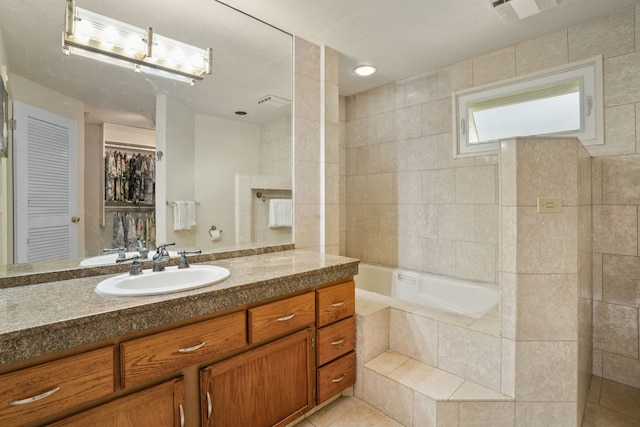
(460, 296)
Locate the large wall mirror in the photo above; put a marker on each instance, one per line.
(222, 144)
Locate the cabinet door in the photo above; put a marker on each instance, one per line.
(158, 406)
(268, 386)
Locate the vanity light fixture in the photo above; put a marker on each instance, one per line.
(364, 70)
(98, 37)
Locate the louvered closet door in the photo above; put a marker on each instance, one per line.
(45, 185)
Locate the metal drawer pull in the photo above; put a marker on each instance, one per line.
(285, 318)
(192, 349)
(34, 398)
(209, 405)
(340, 341)
(337, 304)
(340, 378)
(181, 416)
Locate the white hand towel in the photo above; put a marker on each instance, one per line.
(179, 215)
(191, 214)
(280, 213)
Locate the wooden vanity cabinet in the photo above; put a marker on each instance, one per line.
(270, 385)
(336, 340)
(158, 406)
(263, 365)
(46, 389)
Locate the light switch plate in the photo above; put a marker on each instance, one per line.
(549, 205)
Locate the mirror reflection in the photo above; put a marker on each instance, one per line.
(110, 158)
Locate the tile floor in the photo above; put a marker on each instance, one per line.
(610, 405)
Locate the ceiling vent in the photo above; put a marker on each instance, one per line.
(273, 101)
(515, 10)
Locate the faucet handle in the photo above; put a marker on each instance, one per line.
(183, 263)
(121, 252)
(136, 266)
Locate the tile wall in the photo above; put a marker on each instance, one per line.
(409, 204)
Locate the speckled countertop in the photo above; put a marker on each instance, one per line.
(46, 317)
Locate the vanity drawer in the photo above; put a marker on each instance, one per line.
(165, 352)
(276, 318)
(331, 379)
(39, 391)
(335, 340)
(335, 303)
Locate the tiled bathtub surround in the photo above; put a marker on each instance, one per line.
(546, 276)
(410, 204)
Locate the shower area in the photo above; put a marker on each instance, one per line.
(530, 358)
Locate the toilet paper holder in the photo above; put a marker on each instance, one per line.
(212, 229)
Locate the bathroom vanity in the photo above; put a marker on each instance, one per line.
(261, 348)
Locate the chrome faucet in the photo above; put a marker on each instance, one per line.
(160, 255)
(121, 252)
(136, 267)
(142, 249)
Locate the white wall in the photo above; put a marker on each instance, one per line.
(223, 148)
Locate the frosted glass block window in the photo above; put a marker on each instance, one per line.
(565, 101)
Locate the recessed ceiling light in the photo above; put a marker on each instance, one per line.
(364, 70)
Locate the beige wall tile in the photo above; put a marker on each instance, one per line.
(445, 157)
(470, 354)
(541, 53)
(596, 181)
(547, 168)
(625, 370)
(409, 187)
(619, 280)
(307, 135)
(421, 153)
(439, 186)
(621, 180)
(546, 371)
(387, 362)
(534, 414)
(454, 77)
(356, 133)
(543, 241)
(487, 224)
(392, 156)
(615, 329)
(547, 307)
(377, 390)
(308, 101)
(419, 89)
(441, 258)
(410, 253)
(476, 185)
(375, 335)
(332, 65)
(509, 239)
(436, 117)
(508, 174)
(307, 187)
(487, 414)
(611, 35)
(621, 81)
(432, 382)
(508, 368)
(306, 59)
(447, 414)
(408, 122)
(382, 128)
(597, 362)
(615, 229)
(414, 336)
(456, 222)
(381, 188)
(331, 103)
(494, 66)
(424, 411)
(476, 261)
(597, 276)
(619, 132)
(368, 103)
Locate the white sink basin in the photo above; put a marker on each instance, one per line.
(111, 258)
(172, 279)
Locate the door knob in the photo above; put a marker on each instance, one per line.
(75, 219)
